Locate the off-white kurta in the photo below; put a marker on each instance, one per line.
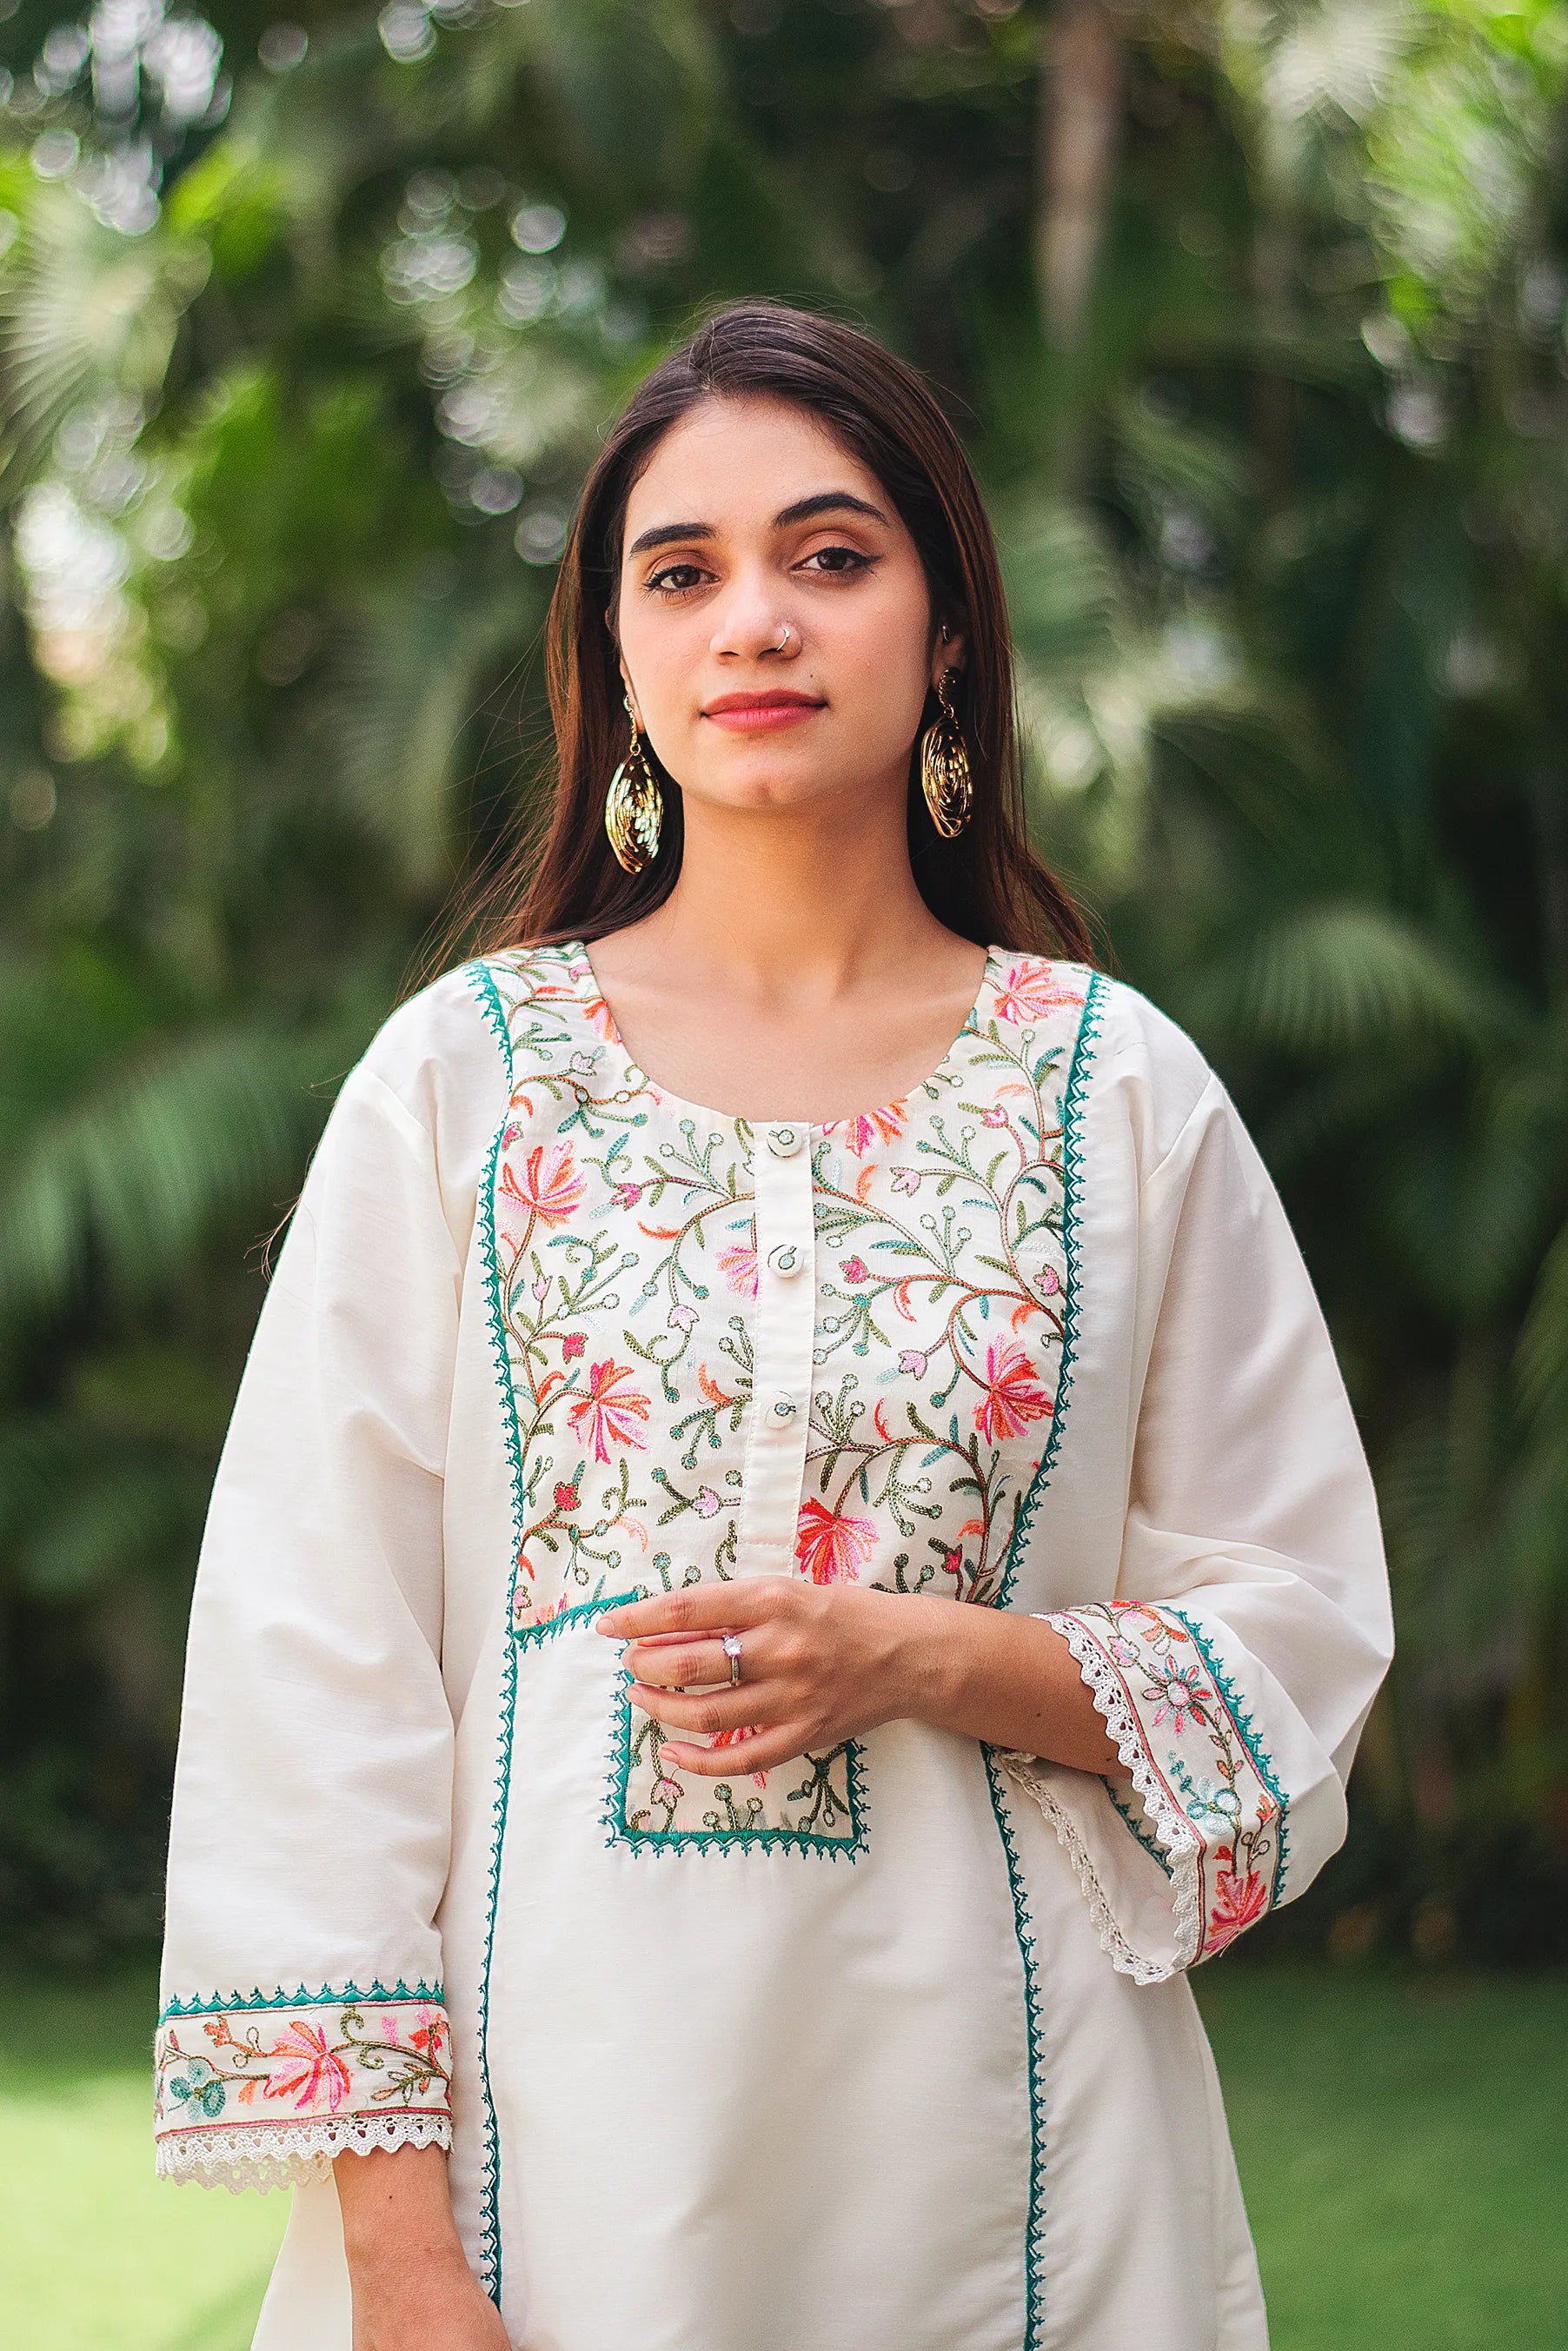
(889, 2048)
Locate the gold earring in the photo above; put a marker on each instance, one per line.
(633, 806)
(945, 778)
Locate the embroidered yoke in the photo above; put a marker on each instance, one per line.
(888, 2048)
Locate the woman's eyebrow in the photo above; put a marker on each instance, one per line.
(664, 534)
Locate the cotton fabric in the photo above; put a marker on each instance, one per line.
(889, 2048)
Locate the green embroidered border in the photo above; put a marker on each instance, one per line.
(1034, 2281)
(613, 1817)
(1136, 1823)
(800, 1841)
(490, 1003)
(329, 1996)
(1071, 1169)
(1261, 1760)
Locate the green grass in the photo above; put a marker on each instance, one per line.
(99, 2254)
(1403, 2141)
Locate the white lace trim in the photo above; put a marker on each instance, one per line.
(288, 2155)
(1174, 1833)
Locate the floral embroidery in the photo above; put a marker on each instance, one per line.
(551, 1187)
(738, 1266)
(625, 1287)
(812, 1803)
(326, 2056)
(1208, 1788)
(885, 1125)
(832, 1549)
(610, 1409)
(1032, 989)
(1014, 1396)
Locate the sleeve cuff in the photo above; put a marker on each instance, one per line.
(263, 2090)
(1205, 1861)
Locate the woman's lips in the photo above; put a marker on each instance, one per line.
(751, 717)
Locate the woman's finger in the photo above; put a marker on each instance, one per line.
(740, 1601)
(688, 1665)
(782, 1743)
(705, 1712)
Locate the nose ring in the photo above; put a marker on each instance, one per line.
(783, 640)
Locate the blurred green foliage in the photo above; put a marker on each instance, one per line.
(1253, 317)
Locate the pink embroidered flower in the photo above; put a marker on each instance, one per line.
(993, 1115)
(707, 1503)
(597, 1012)
(738, 1266)
(310, 2070)
(566, 1498)
(609, 1411)
(1014, 1395)
(952, 1563)
(1049, 1282)
(855, 1269)
(573, 1344)
(628, 1195)
(868, 1126)
(1031, 989)
(667, 1792)
(1182, 1691)
(681, 1318)
(832, 1548)
(911, 1361)
(550, 1186)
(907, 1181)
(1239, 1903)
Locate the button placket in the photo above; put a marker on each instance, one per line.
(781, 1342)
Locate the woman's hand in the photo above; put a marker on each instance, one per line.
(823, 1663)
(412, 2288)
(819, 1664)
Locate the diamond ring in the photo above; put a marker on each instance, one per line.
(731, 1646)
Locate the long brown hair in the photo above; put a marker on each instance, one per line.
(988, 885)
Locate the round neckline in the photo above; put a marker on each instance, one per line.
(583, 968)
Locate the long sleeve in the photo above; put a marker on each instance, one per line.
(1239, 1656)
(301, 1988)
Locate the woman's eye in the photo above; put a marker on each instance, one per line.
(840, 558)
(677, 579)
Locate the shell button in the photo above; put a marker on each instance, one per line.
(786, 1261)
(784, 1410)
(784, 1142)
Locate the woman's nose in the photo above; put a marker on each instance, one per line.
(752, 622)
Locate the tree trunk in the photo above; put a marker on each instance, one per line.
(1080, 126)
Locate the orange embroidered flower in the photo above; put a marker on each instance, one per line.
(832, 1549)
(868, 1126)
(309, 2067)
(1239, 1903)
(1030, 989)
(1014, 1396)
(610, 1410)
(734, 1738)
(551, 1186)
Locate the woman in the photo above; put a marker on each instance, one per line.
(585, 1766)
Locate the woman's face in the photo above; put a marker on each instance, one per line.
(775, 627)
